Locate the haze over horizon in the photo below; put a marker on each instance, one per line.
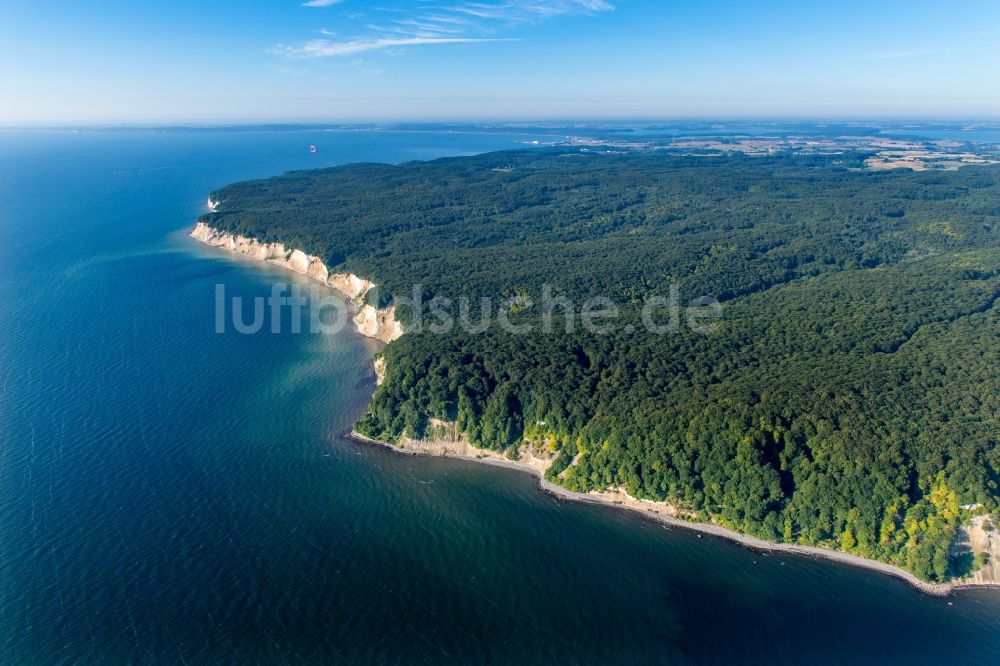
(355, 60)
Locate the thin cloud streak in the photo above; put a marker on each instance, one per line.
(462, 23)
(423, 27)
(322, 48)
(519, 11)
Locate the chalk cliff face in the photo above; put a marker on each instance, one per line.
(378, 323)
(379, 364)
(350, 284)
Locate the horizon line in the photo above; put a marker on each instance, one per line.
(486, 121)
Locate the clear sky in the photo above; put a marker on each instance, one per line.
(356, 60)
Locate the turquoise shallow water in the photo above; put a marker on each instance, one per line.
(170, 495)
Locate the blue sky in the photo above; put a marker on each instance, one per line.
(356, 60)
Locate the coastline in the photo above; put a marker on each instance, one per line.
(381, 324)
(377, 323)
(657, 512)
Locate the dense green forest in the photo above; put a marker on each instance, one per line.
(850, 396)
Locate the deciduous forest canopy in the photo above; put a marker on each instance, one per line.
(850, 397)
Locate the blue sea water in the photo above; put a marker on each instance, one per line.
(972, 134)
(172, 495)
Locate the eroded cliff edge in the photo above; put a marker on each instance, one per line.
(378, 323)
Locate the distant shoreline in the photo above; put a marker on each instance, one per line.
(746, 540)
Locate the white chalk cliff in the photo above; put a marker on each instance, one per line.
(378, 323)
